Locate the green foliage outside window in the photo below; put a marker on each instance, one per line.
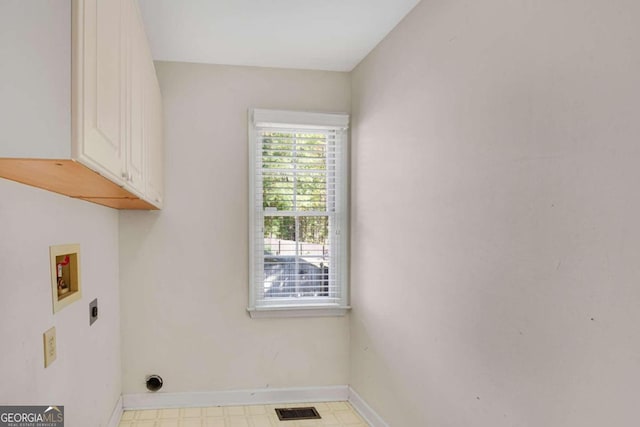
(295, 179)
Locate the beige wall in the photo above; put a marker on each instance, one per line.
(184, 270)
(495, 239)
(85, 378)
(35, 83)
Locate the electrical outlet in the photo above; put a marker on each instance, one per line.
(50, 352)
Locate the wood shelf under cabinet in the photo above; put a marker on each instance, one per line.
(72, 179)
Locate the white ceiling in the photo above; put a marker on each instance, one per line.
(308, 34)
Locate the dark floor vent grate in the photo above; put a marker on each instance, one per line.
(287, 414)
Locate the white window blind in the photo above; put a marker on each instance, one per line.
(298, 210)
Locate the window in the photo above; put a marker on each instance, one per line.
(298, 213)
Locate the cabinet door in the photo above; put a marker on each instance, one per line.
(138, 60)
(155, 144)
(102, 55)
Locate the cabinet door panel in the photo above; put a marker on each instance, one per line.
(103, 85)
(155, 145)
(135, 154)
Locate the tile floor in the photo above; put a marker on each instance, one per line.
(334, 414)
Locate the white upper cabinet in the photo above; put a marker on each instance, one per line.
(101, 49)
(139, 61)
(155, 147)
(73, 109)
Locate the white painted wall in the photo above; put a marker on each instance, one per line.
(495, 232)
(85, 378)
(184, 270)
(35, 88)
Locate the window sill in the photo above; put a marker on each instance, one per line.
(298, 311)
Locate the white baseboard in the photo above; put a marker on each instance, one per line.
(365, 411)
(116, 414)
(240, 397)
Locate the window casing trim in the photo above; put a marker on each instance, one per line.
(299, 311)
(312, 306)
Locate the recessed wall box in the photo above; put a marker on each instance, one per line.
(66, 286)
